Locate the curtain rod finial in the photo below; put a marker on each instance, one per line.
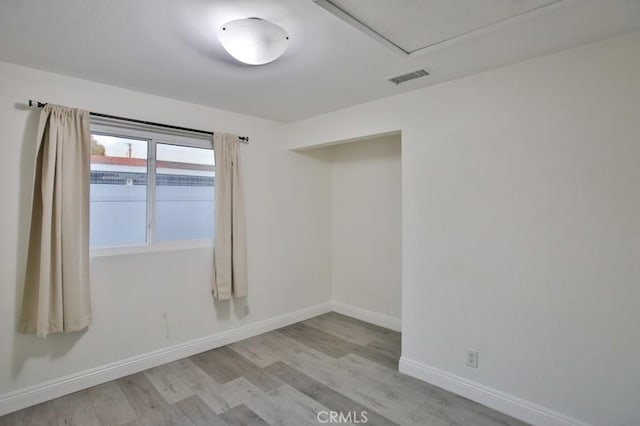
(36, 104)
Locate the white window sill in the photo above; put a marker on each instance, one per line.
(150, 248)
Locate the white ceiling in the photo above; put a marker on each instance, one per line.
(169, 47)
(416, 25)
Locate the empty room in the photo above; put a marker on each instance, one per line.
(310, 212)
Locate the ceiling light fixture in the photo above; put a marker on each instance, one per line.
(253, 41)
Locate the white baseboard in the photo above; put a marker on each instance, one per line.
(367, 316)
(22, 398)
(508, 404)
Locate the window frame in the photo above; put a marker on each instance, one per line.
(153, 136)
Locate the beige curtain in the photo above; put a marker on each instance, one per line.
(56, 294)
(229, 258)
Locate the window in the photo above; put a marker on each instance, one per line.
(184, 193)
(150, 189)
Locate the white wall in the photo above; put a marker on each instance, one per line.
(148, 302)
(521, 235)
(366, 225)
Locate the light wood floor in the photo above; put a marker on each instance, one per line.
(285, 377)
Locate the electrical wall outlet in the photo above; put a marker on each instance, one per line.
(472, 358)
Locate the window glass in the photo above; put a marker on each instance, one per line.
(118, 208)
(184, 197)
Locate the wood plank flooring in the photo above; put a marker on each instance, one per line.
(285, 377)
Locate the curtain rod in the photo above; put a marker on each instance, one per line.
(243, 139)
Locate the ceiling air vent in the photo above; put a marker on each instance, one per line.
(410, 76)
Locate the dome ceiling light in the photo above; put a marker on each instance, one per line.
(253, 41)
